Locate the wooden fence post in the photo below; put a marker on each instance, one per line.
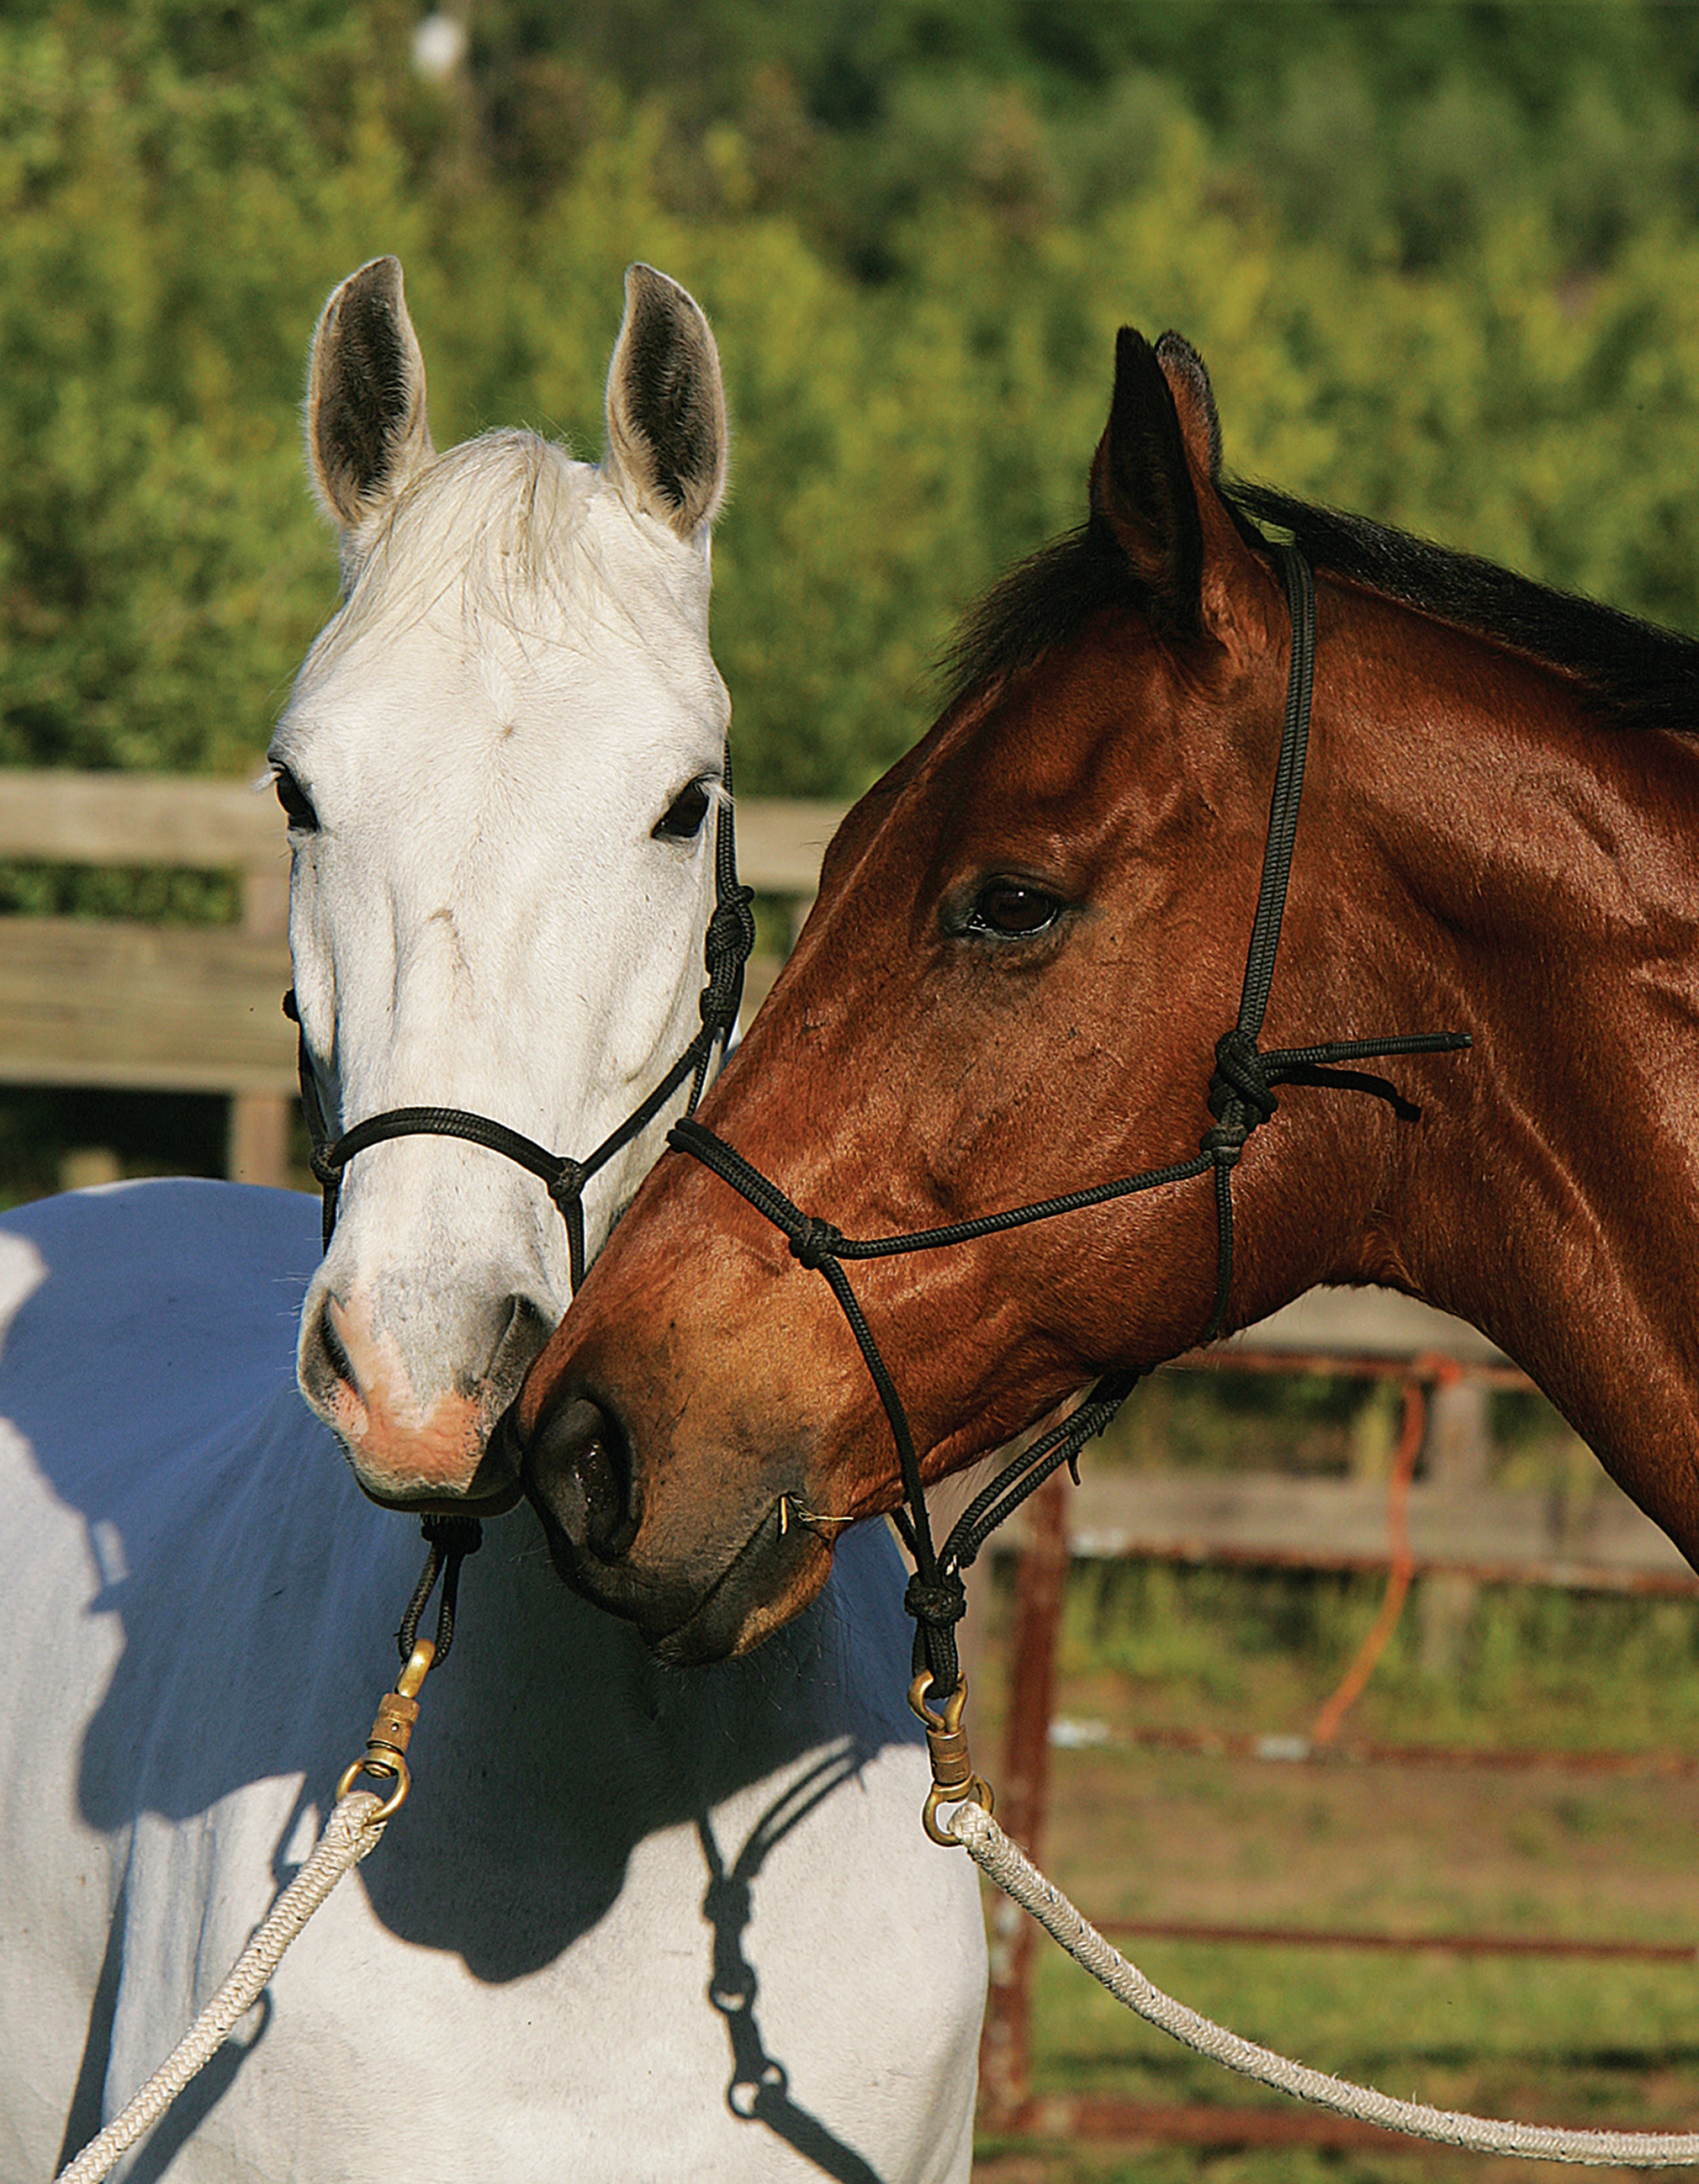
(257, 1147)
(1456, 1457)
(1022, 1784)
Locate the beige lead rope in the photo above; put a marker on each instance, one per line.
(972, 1826)
(353, 1829)
(358, 1821)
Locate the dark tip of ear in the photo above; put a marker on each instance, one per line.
(1185, 369)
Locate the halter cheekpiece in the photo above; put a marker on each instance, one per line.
(1241, 1099)
(730, 937)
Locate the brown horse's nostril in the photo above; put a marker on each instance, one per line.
(578, 1472)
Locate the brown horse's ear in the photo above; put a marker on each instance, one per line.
(1155, 486)
(1194, 401)
(366, 431)
(667, 433)
(1141, 490)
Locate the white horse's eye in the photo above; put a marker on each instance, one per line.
(298, 805)
(682, 820)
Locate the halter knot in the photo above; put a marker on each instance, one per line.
(565, 1187)
(1224, 1142)
(730, 939)
(815, 1242)
(1241, 1075)
(731, 926)
(938, 1605)
(456, 1535)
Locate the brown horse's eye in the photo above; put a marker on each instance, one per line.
(1013, 910)
(298, 805)
(682, 820)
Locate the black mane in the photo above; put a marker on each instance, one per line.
(1042, 603)
(1632, 672)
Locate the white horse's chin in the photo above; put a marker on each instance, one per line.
(450, 1463)
(426, 1501)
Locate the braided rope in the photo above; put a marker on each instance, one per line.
(349, 1835)
(1001, 1862)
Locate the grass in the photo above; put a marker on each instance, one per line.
(1138, 1833)
(1259, 1651)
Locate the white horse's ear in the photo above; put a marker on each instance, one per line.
(366, 431)
(667, 434)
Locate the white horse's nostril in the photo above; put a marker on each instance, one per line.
(528, 1326)
(344, 1342)
(328, 1373)
(330, 1342)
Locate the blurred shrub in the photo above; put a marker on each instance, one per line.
(1444, 265)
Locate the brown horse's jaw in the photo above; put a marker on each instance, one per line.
(777, 1572)
(772, 1576)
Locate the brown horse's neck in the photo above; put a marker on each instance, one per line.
(1546, 899)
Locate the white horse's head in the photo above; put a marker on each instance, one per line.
(500, 764)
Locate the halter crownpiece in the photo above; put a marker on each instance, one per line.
(726, 950)
(1241, 1099)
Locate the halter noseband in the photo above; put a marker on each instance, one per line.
(1241, 1098)
(730, 936)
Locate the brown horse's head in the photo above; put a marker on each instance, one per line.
(1028, 938)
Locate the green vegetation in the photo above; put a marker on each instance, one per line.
(1258, 1652)
(1442, 260)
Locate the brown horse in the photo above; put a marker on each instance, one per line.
(1029, 939)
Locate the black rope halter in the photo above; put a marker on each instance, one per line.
(448, 1540)
(1241, 1099)
(730, 936)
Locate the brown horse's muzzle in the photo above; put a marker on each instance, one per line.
(674, 1433)
(698, 1598)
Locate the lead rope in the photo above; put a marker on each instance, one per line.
(1001, 1862)
(355, 1826)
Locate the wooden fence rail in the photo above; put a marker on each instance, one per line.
(145, 1007)
(1449, 1525)
(1272, 1520)
(132, 1005)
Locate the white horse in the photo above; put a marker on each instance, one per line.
(634, 1923)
